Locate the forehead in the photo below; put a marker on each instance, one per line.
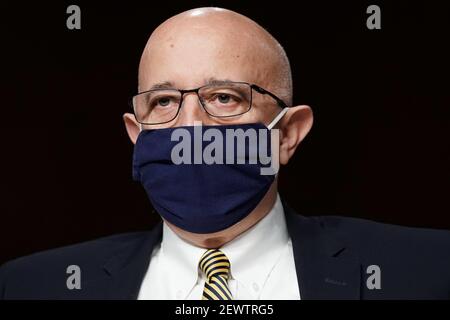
(188, 54)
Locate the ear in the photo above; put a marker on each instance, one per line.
(294, 126)
(132, 126)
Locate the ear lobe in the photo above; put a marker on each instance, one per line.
(294, 127)
(132, 126)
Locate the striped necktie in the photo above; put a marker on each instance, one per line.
(216, 267)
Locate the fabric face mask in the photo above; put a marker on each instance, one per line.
(204, 179)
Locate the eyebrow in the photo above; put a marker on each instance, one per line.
(171, 85)
(163, 85)
(215, 81)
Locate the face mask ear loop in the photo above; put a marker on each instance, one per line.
(277, 118)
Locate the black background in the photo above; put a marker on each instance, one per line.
(379, 148)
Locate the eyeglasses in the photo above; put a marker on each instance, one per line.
(222, 100)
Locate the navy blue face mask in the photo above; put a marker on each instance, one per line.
(202, 184)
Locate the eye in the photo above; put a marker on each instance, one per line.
(163, 102)
(223, 98)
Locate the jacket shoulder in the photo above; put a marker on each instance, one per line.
(415, 258)
(47, 270)
(360, 233)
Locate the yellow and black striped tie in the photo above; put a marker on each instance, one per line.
(216, 267)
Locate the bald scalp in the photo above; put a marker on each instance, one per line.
(273, 69)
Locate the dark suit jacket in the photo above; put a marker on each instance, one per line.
(331, 255)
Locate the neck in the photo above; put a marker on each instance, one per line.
(218, 239)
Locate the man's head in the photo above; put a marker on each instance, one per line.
(193, 47)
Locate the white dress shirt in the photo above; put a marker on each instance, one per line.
(262, 264)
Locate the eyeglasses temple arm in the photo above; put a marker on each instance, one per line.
(264, 91)
(277, 118)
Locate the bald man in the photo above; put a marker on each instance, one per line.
(225, 232)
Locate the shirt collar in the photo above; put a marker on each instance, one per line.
(261, 245)
(182, 259)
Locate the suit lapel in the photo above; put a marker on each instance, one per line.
(127, 267)
(326, 268)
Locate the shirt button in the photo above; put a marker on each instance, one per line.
(255, 286)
